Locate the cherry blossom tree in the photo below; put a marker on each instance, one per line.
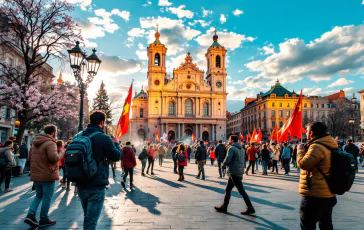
(37, 31)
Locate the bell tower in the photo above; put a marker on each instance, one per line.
(216, 65)
(156, 63)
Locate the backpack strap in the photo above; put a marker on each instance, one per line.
(94, 134)
(318, 168)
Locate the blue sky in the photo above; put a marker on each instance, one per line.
(317, 46)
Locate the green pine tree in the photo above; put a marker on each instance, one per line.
(101, 102)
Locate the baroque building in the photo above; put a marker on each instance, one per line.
(188, 103)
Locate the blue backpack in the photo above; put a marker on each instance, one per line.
(80, 164)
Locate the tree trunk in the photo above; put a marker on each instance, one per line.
(21, 131)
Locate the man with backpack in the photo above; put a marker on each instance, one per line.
(317, 199)
(354, 150)
(43, 158)
(91, 189)
(221, 155)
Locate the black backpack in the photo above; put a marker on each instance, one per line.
(342, 172)
(181, 157)
(3, 161)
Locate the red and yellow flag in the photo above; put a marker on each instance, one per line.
(294, 124)
(157, 135)
(254, 137)
(123, 124)
(241, 137)
(193, 137)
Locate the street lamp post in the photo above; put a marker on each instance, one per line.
(79, 62)
(352, 119)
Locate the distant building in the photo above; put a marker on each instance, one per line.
(361, 92)
(233, 124)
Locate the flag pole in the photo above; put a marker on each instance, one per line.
(301, 113)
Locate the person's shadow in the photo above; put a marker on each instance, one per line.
(146, 200)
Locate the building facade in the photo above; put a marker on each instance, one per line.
(275, 107)
(233, 123)
(188, 103)
(361, 93)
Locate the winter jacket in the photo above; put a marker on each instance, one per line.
(201, 153)
(162, 151)
(128, 157)
(286, 153)
(44, 158)
(353, 149)
(174, 152)
(9, 156)
(102, 148)
(275, 153)
(220, 152)
(23, 152)
(143, 155)
(265, 154)
(183, 163)
(61, 161)
(235, 160)
(212, 155)
(315, 154)
(251, 153)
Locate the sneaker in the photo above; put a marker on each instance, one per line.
(197, 177)
(8, 190)
(31, 220)
(132, 186)
(220, 177)
(152, 173)
(47, 222)
(147, 172)
(203, 178)
(222, 208)
(123, 184)
(249, 211)
(179, 179)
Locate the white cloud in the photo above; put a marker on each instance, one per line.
(123, 14)
(147, 4)
(222, 19)
(240, 70)
(269, 49)
(229, 40)
(342, 48)
(142, 54)
(340, 82)
(136, 32)
(202, 22)
(206, 13)
(181, 12)
(82, 3)
(164, 3)
(237, 12)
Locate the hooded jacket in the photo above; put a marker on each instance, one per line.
(9, 155)
(221, 151)
(128, 157)
(201, 153)
(44, 159)
(235, 159)
(315, 154)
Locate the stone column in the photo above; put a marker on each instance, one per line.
(195, 102)
(177, 135)
(200, 131)
(183, 130)
(162, 129)
(213, 132)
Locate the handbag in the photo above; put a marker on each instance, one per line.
(270, 163)
(256, 155)
(181, 157)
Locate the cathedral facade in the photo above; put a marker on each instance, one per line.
(188, 103)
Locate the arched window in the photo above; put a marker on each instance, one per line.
(205, 109)
(171, 108)
(218, 61)
(157, 59)
(141, 113)
(188, 107)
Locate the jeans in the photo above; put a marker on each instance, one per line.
(286, 165)
(236, 181)
(44, 193)
(264, 165)
(92, 202)
(201, 169)
(161, 160)
(150, 163)
(252, 164)
(316, 209)
(275, 166)
(212, 161)
(175, 165)
(65, 180)
(128, 171)
(5, 174)
(256, 164)
(219, 164)
(113, 167)
(180, 172)
(144, 163)
(294, 162)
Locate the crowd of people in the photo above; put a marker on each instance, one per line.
(234, 159)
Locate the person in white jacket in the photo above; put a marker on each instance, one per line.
(7, 162)
(275, 156)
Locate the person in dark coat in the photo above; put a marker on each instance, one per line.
(23, 156)
(354, 150)
(129, 163)
(220, 152)
(201, 155)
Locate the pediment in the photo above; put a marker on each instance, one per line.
(189, 65)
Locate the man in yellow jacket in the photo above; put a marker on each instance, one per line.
(317, 200)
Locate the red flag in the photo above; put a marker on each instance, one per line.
(193, 137)
(156, 135)
(254, 136)
(294, 124)
(123, 124)
(250, 136)
(260, 135)
(241, 137)
(247, 138)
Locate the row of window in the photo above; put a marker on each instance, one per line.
(188, 109)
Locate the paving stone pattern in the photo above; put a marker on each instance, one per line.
(161, 202)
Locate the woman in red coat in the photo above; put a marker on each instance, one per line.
(182, 159)
(129, 162)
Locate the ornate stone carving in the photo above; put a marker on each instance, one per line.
(188, 64)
